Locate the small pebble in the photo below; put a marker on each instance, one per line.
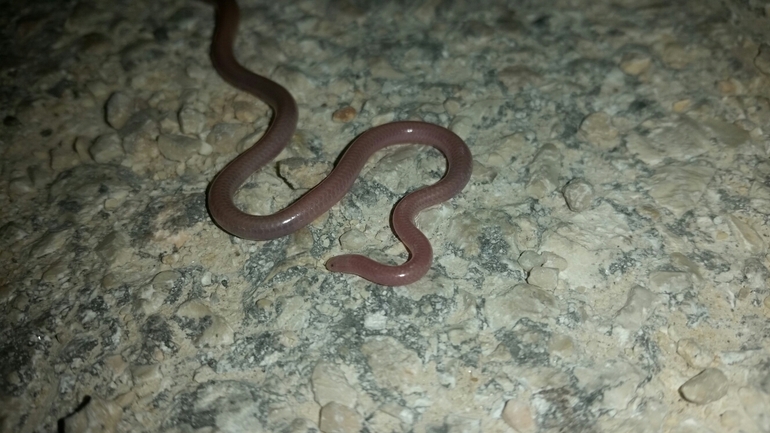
(530, 259)
(178, 147)
(107, 148)
(635, 63)
(119, 109)
(693, 353)
(191, 121)
(545, 278)
(337, 418)
(598, 130)
(518, 415)
(579, 195)
(552, 260)
(708, 386)
(344, 115)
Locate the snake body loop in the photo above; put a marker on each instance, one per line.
(329, 191)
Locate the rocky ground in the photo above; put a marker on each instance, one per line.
(605, 270)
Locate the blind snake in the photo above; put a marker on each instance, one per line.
(330, 190)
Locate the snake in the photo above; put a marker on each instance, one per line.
(330, 190)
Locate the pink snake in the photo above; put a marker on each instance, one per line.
(331, 190)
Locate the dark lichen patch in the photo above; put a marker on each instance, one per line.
(251, 351)
(527, 342)
(157, 335)
(623, 264)
(494, 248)
(564, 410)
(193, 327)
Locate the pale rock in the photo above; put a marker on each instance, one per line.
(695, 355)
(748, 237)
(670, 282)
(218, 333)
(755, 404)
(523, 300)
(756, 274)
(21, 186)
(598, 130)
(682, 261)
(119, 109)
(731, 134)
(526, 233)
(393, 365)
(191, 121)
(518, 415)
(731, 419)
(517, 77)
(300, 173)
(635, 64)
(381, 68)
(57, 271)
(562, 346)
(507, 149)
(147, 379)
(381, 421)
(246, 112)
(762, 60)
(224, 137)
(166, 280)
(151, 297)
(178, 148)
(206, 279)
(50, 242)
(708, 386)
(168, 125)
(113, 246)
(142, 123)
(691, 138)
(64, 157)
(330, 385)
(302, 425)
(545, 278)
(530, 259)
(337, 418)
(690, 425)
(675, 55)
(294, 314)
(462, 126)
(344, 114)
(465, 309)
(353, 240)
(553, 260)
(545, 170)
(107, 148)
(639, 305)
(578, 194)
(679, 187)
(620, 397)
(377, 320)
(456, 267)
(404, 414)
(297, 81)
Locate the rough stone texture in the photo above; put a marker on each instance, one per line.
(623, 143)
